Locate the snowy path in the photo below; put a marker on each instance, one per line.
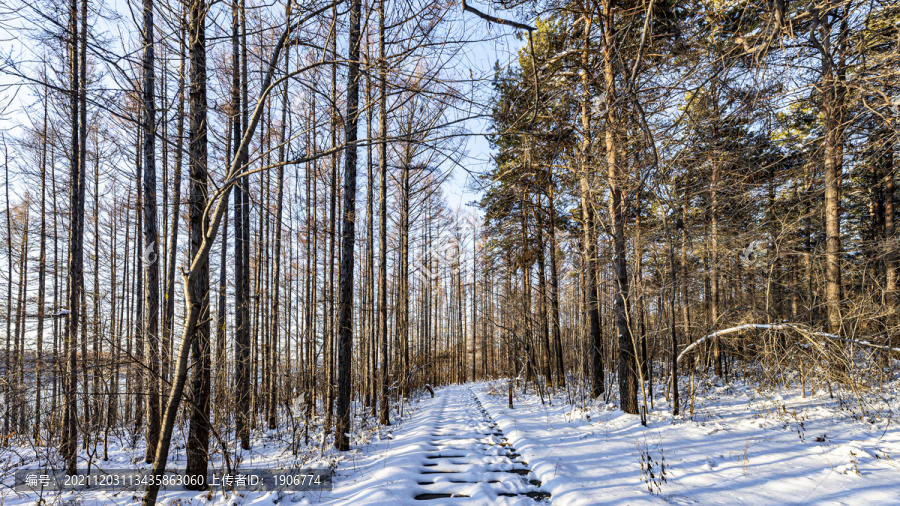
(450, 451)
(466, 446)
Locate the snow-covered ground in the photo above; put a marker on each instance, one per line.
(449, 448)
(464, 446)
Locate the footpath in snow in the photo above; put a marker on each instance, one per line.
(448, 452)
(742, 448)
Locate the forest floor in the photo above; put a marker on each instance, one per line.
(743, 445)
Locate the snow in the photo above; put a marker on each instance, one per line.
(744, 445)
(448, 447)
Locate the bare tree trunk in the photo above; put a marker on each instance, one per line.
(57, 372)
(112, 411)
(76, 259)
(646, 365)
(197, 449)
(345, 328)
(511, 367)
(402, 310)
(82, 164)
(139, 274)
(526, 263)
(554, 296)
(475, 304)
(221, 381)
(257, 299)
(7, 370)
(592, 320)
(242, 329)
(384, 414)
(832, 104)
(890, 260)
(330, 333)
(312, 250)
(169, 315)
(370, 251)
(627, 361)
(42, 270)
(18, 384)
(127, 307)
(96, 390)
(542, 294)
(276, 271)
(674, 363)
(151, 235)
(714, 263)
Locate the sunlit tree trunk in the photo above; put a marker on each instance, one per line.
(345, 306)
(627, 360)
(197, 448)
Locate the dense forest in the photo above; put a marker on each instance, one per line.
(222, 218)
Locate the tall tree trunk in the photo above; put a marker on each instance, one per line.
(42, 270)
(402, 310)
(139, 273)
(312, 276)
(715, 161)
(57, 372)
(18, 385)
(96, 390)
(247, 396)
(683, 263)
(82, 164)
(221, 380)
(554, 296)
(197, 449)
(342, 439)
(890, 259)
(276, 270)
(112, 412)
(330, 332)
(169, 314)
(151, 236)
(370, 251)
(242, 335)
(591, 305)
(127, 308)
(384, 413)
(646, 365)
(475, 304)
(76, 252)
(674, 363)
(714, 263)
(526, 263)
(7, 356)
(627, 361)
(542, 294)
(832, 105)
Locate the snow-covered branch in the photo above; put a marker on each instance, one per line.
(782, 326)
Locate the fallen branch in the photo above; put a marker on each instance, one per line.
(783, 326)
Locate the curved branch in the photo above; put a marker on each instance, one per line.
(783, 326)
(494, 19)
